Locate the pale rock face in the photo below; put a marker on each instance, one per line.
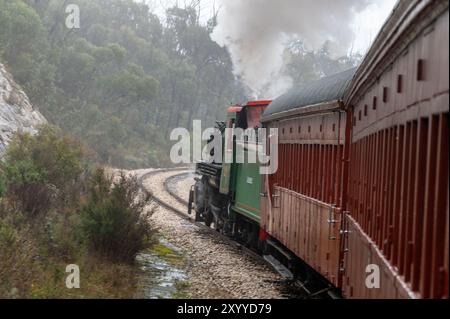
(16, 111)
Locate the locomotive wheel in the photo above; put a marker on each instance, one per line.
(198, 216)
(218, 225)
(208, 219)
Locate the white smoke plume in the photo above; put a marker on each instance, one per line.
(255, 32)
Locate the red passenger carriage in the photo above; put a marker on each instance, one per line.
(363, 164)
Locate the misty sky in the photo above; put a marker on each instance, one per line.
(366, 25)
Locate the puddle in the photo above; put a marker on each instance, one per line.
(189, 225)
(163, 275)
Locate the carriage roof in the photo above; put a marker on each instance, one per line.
(327, 89)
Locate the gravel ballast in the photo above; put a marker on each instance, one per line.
(216, 268)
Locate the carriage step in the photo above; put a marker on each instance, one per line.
(279, 267)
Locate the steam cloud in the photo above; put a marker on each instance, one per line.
(255, 32)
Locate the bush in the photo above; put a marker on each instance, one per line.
(113, 219)
(53, 214)
(18, 251)
(59, 237)
(30, 268)
(41, 169)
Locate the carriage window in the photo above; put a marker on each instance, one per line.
(399, 83)
(385, 94)
(420, 70)
(254, 116)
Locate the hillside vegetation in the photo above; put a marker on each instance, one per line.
(125, 78)
(121, 80)
(57, 209)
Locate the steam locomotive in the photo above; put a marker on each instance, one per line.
(362, 186)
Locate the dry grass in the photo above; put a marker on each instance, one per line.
(98, 279)
(30, 269)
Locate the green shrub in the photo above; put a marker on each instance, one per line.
(60, 237)
(18, 251)
(113, 219)
(43, 170)
(53, 214)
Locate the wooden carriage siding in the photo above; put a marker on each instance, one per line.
(305, 205)
(365, 154)
(398, 184)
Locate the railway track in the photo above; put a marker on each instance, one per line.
(157, 199)
(294, 288)
(184, 215)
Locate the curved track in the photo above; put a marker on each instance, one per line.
(171, 180)
(157, 199)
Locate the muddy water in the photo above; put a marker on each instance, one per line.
(163, 272)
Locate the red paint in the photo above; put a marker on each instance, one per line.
(263, 235)
(234, 109)
(258, 103)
